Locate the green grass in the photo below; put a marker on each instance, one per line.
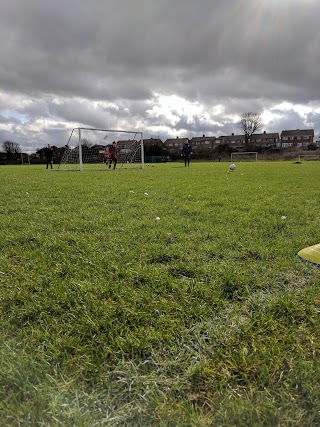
(111, 317)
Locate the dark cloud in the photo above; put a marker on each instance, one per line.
(108, 63)
(287, 119)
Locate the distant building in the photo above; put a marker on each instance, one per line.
(173, 147)
(234, 141)
(203, 143)
(264, 139)
(297, 138)
(203, 147)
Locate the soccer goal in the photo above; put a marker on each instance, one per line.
(245, 156)
(309, 157)
(86, 148)
(25, 159)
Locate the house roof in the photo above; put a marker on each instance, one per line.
(151, 141)
(126, 141)
(264, 135)
(298, 132)
(203, 138)
(231, 137)
(172, 140)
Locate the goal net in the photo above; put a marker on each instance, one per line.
(86, 148)
(308, 157)
(245, 156)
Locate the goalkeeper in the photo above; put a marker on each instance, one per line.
(49, 154)
(186, 152)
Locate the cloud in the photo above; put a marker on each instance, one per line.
(115, 64)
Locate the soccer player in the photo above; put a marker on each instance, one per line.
(186, 152)
(107, 156)
(114, 155)
(49, 155)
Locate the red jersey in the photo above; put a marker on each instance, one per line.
(114, 152)
(107, 154)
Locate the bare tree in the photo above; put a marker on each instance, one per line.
(11, 148)
(250, 122)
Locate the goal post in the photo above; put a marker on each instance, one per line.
(245, 156)
(86, 149)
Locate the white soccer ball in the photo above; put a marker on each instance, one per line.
(153, 165)
(232, 167)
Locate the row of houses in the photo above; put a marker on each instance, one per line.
(299, 138)
(203, 146)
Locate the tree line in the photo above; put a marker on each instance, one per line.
(11, 149)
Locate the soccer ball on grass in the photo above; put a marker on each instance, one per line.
(232, 167)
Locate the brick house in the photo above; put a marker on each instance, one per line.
(234, 141)
(203, 143)
(296, 138)
(173, 146)
(264, 139)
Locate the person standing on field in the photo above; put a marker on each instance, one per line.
(186, 152)
(107, 156)
(49, 155)
(114, 155)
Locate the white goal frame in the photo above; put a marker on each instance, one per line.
(23, 162)
(131, 150)
(309, 157)
(245, 153)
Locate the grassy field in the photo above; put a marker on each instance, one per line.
(168, 296)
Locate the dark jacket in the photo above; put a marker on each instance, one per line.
(49, 153)
(186, 149)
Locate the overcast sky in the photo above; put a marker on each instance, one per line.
(164, 67)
